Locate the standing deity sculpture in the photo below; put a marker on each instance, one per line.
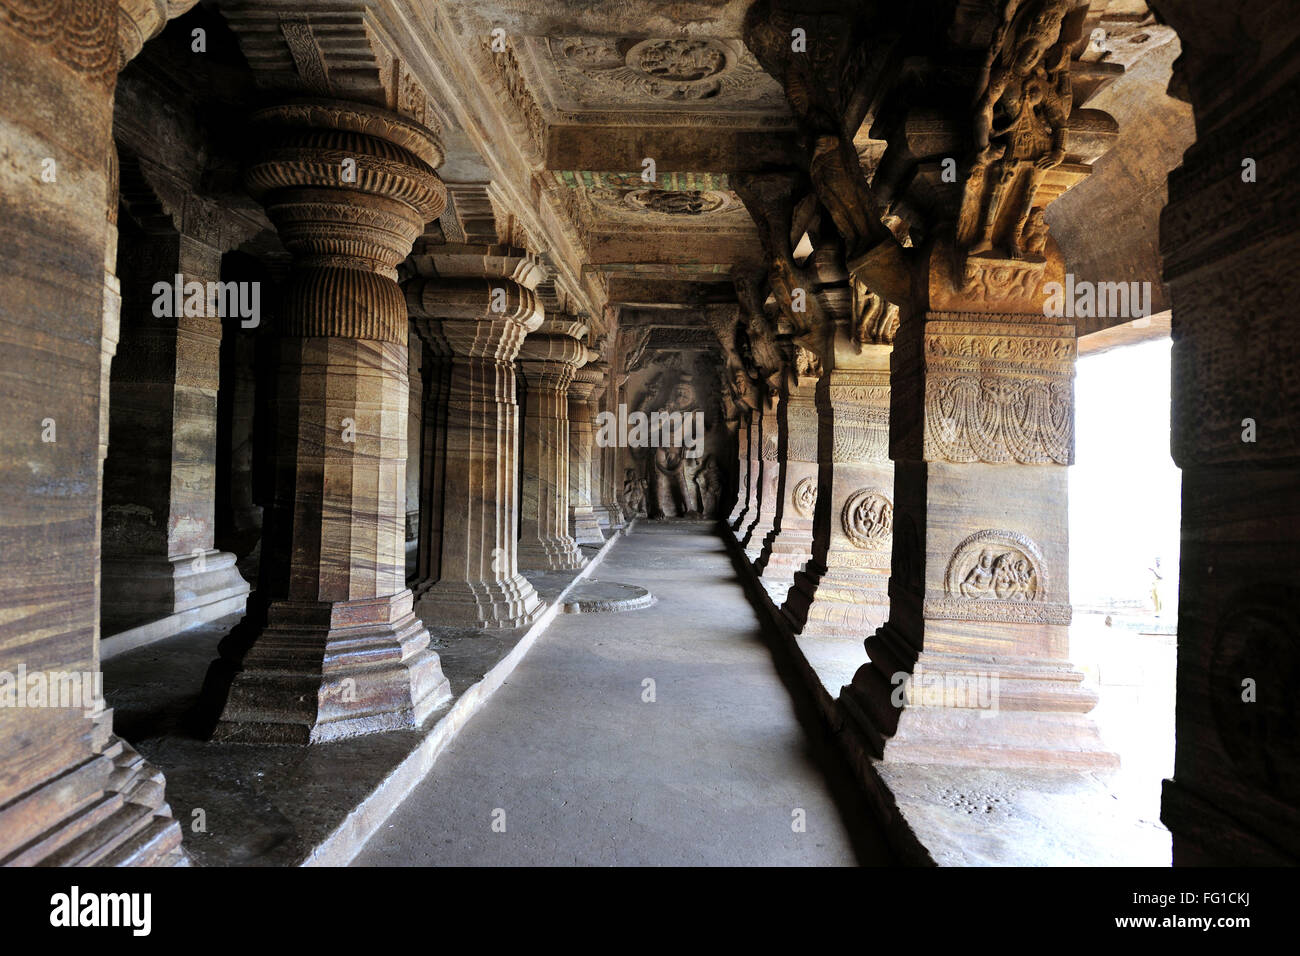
(672, 491)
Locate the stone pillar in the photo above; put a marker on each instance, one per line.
(435, 381)
(584, 394)
(844, 588)
(1230, 244)
(160, 567)
(474, 477)
(71, 793)
(611, 480)
(982, 432)
(334, 649)
(415, 444)
(767, 479)
(549, 358)
(789, 546)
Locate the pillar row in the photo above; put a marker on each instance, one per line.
(334, 648)
(789, 545)
(160, 475)
(844, 588)
(474, 475)
(766, 481)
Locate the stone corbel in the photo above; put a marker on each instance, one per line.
(139, 21)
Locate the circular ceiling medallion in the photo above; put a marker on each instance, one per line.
(678, 60)
(676, 202)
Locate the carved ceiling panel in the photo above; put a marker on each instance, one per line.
(675, 201)
(591, 72)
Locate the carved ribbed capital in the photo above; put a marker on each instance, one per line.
(594, 377)
(347, 186)
(557, 342)
(475, 260)
(476, 317)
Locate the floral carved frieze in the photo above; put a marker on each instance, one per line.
(997, 575)
(615, 70)
(868, 519)
(1003, 393)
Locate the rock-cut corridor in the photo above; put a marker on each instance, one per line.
(579, 759)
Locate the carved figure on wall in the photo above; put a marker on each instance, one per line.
(708, 483)
(634, 493)
(1004, 577)
(868, 519)
(1020, 118)
(874, 321)
(673, 492)
(997, 566)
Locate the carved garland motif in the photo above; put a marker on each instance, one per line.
(996, 419)
(868, 519)
(860, 434)
(83, 34)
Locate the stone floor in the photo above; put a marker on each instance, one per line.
(974, 816)
(243, 805)
(574, 765)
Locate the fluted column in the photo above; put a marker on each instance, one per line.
(611, 480)
(480, 322)
(334, 648)
(549, 358)
(584, 392)
(435, 381)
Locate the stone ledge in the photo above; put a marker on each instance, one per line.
(949, 815)
(302, 806)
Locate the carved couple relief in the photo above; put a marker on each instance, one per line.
(997, 575)
(868, 519)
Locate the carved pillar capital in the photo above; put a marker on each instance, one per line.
(349, 188)
(474, 317)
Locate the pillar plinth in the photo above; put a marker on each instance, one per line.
(334, 648)
(981, 434)
(480, 322)
(844, 589)
(584, 392)
(549, 358)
